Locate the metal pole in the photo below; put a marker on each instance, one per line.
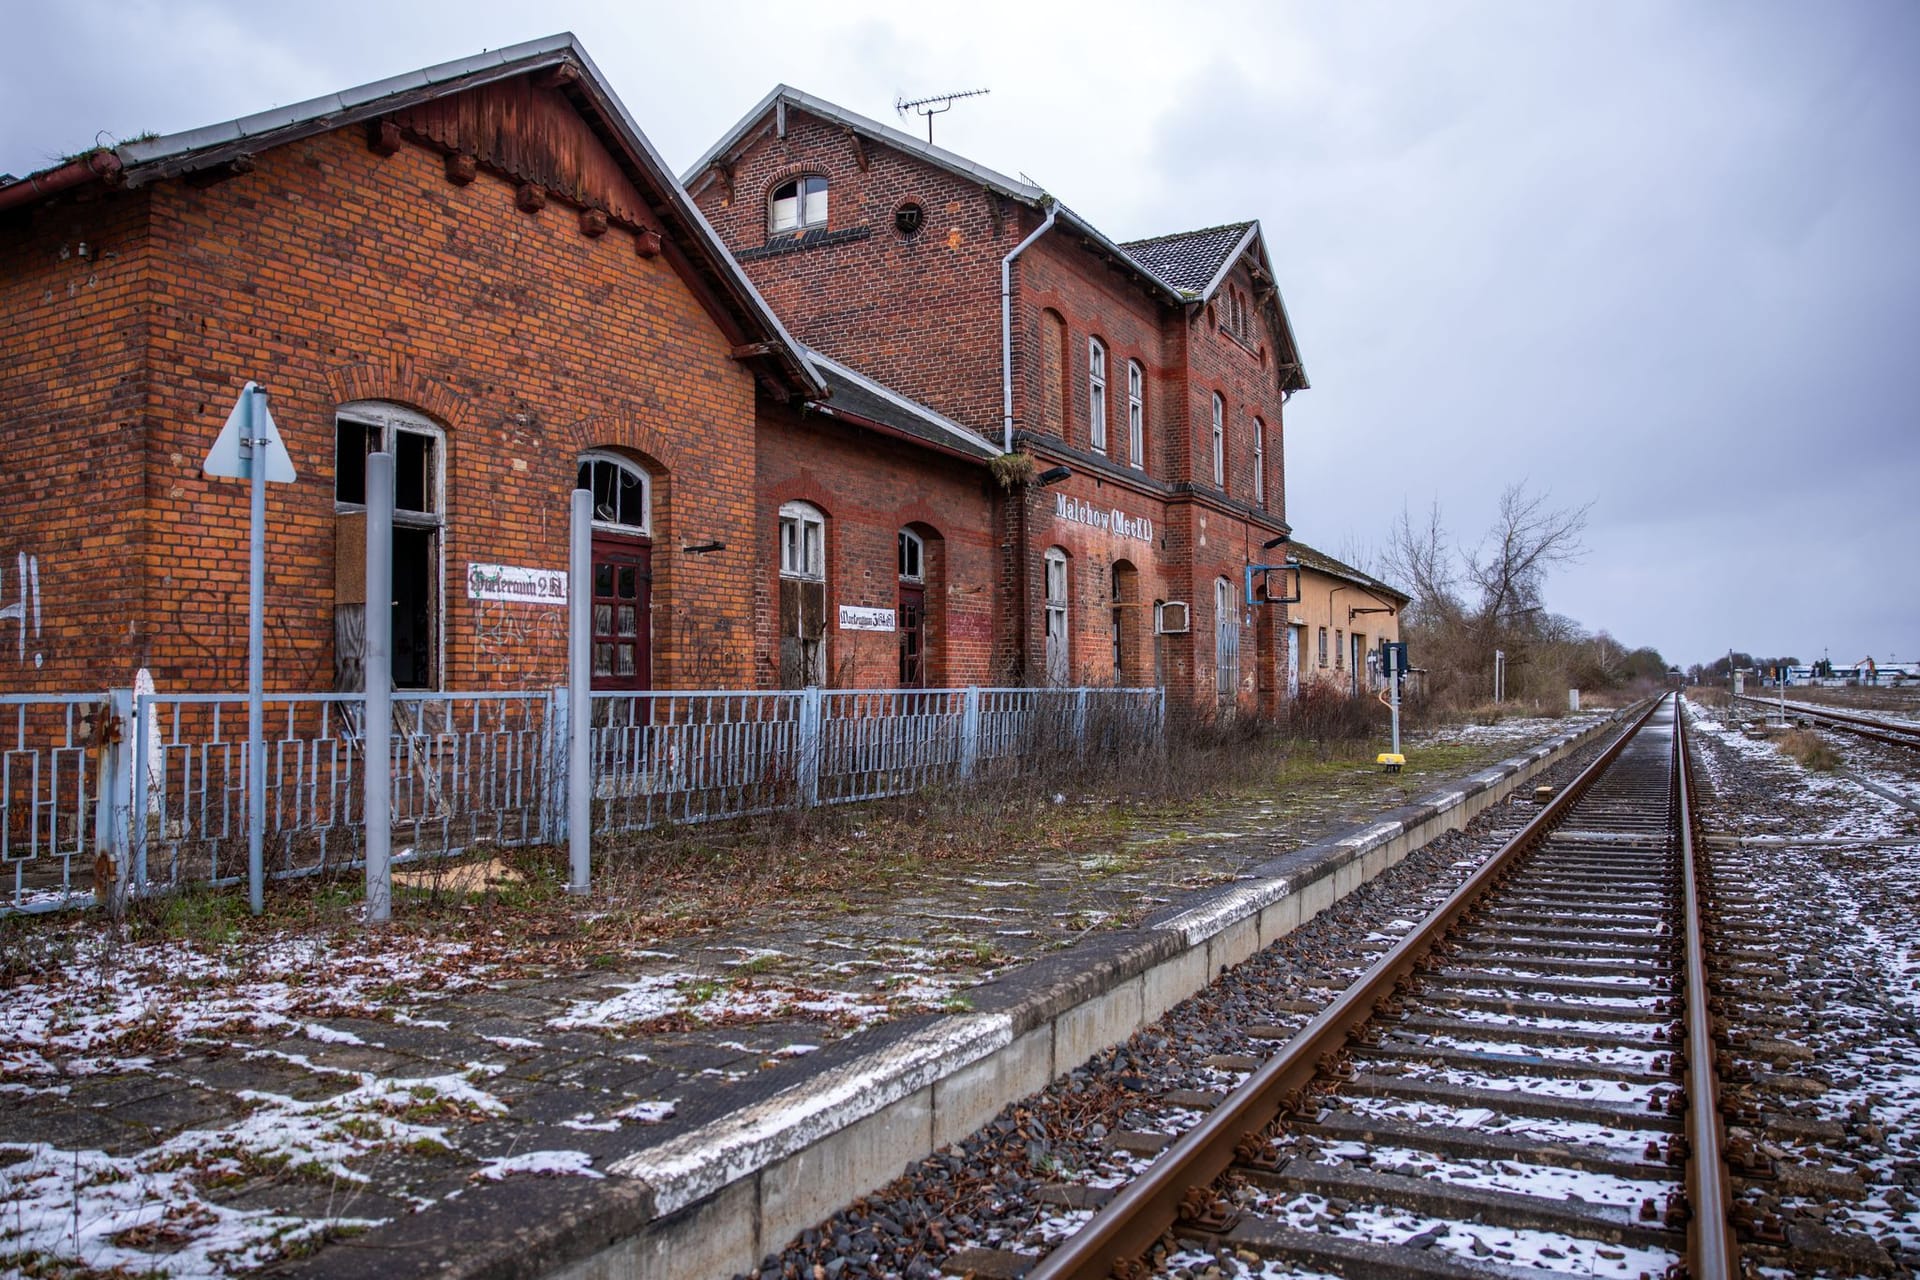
(1393, 684)
(580, 691)
(256, 658)
(376, 733)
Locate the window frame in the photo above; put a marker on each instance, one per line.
(1097, 394)
(907, 541)
(800, 183)
(1058, 565)
(606, 457)
(1136, 415)
(391, 419)
(1259, 460)
(802, 517)
(1219, 441)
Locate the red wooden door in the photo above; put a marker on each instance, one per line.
(913, 637)
(622, 613)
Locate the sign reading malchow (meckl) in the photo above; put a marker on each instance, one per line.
(860, 618)
(1113, 521)
(516, 583)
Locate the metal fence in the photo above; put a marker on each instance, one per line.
(154, 786)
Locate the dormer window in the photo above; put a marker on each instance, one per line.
(799, 204)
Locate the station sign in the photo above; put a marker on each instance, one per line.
(860, 618)
(1112, 520)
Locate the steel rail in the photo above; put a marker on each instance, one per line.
(1712, 1251)
(1895, 735)
(1134, 1220)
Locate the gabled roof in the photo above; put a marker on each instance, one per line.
(859, 397)
(1192, 261)
(1166, 264)
(134, 164)
(1321, 562)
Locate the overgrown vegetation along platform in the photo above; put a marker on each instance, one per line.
(199, 1093)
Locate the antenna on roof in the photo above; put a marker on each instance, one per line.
(926, 107)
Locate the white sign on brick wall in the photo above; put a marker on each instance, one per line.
(859, 618)
(516, 584)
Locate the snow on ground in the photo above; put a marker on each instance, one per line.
(548, 1163)
(1516, 729)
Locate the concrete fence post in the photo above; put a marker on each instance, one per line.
(580, 692)
(553, 808)
(112, 792)
(807, 766)
(970, 732)
(1080, 721)
(376, 727)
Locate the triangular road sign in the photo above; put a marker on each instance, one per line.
(230, 455)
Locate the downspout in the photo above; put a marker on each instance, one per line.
(1006, 326)
(1006, 408)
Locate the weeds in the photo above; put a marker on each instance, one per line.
(1811, 750)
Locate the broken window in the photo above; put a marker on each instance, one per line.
(803, 596)
(622, 492)
(363, 428)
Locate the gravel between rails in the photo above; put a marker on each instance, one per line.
(1011, 1186)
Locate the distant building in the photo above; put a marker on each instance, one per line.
(1337, 628)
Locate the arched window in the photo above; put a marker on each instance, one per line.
(798, 204)
(1259, 462)
(1219, 441)
(1226, 638)
(622, 492)
(1057, 634)
(1136, 414)
(803, 541)
(1097, 394)
(913, 557)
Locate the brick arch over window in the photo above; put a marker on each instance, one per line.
(396, 381)
(644, 444)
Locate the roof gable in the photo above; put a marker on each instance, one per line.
(610, 158)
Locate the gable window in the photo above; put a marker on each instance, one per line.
(1219, 441)
(1097, 393)
(1259, 462)
(416, 444)
(799, 204)
(1057, 646)
(1136, 414)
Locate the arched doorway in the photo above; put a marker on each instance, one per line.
(621, 584)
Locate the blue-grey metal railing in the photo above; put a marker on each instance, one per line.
(150, 789)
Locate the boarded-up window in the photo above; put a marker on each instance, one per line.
(1053, 373)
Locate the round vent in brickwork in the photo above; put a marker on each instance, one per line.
(909, 218)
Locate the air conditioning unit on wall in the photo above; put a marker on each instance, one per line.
(1172, 618)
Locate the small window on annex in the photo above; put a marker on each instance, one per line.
(803, 595)
(622, 492)
(799, 204)
(416, 443)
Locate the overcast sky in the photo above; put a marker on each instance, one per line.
(1663, 257)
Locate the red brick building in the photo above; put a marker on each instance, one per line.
(484, 267)
(1146, 382)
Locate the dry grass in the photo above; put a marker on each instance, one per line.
(1810, 749)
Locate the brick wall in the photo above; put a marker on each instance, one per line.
(74, 278)
(869, 488)
(331, 274)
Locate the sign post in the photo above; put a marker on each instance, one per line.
(376, 681)
(249, 448)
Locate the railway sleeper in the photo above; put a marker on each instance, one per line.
(1522, 1033)
(1513, 1102)
(1479, 1144)
(1519, 1065)
(1483, 979)
(1511, 1209)
(1344, 1255)
(1529, 1006)
(1573, 956)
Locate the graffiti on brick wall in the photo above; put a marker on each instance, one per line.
(20, 605)
(518, 646)
(707, 656)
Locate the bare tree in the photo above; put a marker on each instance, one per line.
(1509, 567)
(1419, 561)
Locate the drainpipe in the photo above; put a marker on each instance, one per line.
(96, 164)
(1006, 326)
(1006, 408)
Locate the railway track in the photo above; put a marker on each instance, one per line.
(1522, 1081)
(1892, 733)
